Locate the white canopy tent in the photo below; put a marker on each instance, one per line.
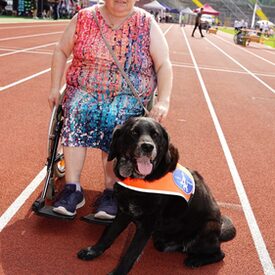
(187, 16)
(266, 22)
(187, 11)
(154, 5)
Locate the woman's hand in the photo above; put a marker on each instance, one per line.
(54, 98)
(159, 110)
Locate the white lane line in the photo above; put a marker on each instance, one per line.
(270, 51)
(243, 67)
(44, 71)
(28, 49)
(33, 26)
(262, 98)
(28, 52)
(20, 200)
(165, 32)
(26, 79)
(28, 36)
(219, 70)
(243, 49)
(250, 218)
(23, 80)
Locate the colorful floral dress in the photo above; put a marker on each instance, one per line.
(97, 97)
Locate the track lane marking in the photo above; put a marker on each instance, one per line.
(27, 192)
(175, 65)
(239, 64)
(23, 80)
(47, 70)
(249, 215)
(191, 66)
(247, 51)
(20, 200)
(28, 36)
(28, 49)
(28, 52)
(270, 52)
(26, 78)
(24, 27)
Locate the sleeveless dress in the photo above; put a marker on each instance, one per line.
(97, 97)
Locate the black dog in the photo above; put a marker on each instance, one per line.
(141, 149)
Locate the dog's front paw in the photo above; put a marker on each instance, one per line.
(88, 254)
(199, 260)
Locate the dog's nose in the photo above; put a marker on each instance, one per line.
(147, 147)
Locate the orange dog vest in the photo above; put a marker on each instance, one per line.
(180, 182)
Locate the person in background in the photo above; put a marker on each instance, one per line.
(97, 97)
(266, 29)
(198, 23)
(262, 26)
(182, 19)
(3, 5)
(55, 9)
(34, 5)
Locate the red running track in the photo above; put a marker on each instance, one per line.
(222, 120)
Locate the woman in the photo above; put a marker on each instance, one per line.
(97, 98)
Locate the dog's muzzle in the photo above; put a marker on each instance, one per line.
(145, 155)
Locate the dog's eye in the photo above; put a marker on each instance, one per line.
(154, 134)
(134, 133)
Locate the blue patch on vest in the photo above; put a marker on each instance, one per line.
(183, 181)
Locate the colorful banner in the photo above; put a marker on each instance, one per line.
(260, 13)
(259, 10)
(197, 3)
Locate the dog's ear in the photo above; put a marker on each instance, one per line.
(114, 143)
(172, 157)
(172, 154)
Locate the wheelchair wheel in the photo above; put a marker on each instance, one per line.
(235, 39)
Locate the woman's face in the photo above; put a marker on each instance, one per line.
(120, 7)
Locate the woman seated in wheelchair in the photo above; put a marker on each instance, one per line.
(97, 97)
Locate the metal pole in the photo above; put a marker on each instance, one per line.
(253, 16)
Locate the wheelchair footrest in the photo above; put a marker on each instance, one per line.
(91, 219)
(48, 212)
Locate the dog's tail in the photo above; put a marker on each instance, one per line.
(228, 231)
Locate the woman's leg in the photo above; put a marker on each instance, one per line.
(71, 197)
(74, 162)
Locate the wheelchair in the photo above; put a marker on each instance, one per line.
(55, 170)
(239, 38)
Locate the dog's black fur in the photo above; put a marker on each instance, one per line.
(197, 228)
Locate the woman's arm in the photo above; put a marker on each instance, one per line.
(160, 53)
(61, 53)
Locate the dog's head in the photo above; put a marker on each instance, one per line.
(142, 149)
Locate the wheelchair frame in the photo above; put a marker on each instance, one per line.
(53, 159)
(56, 169)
